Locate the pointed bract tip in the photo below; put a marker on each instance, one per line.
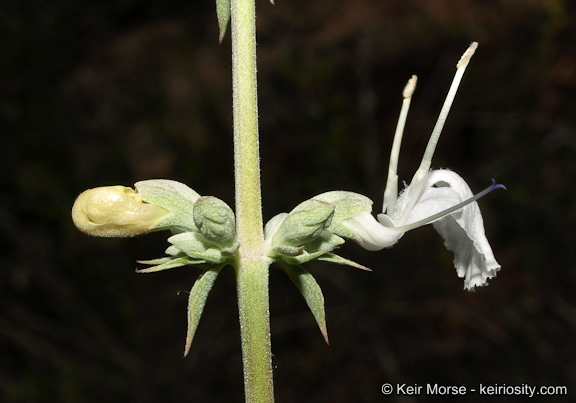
(325, 335)
(188, 343)
(463, 62)
(410, 87)
(272, 2)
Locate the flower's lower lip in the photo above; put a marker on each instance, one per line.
(452, 209)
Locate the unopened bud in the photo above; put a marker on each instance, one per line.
(215, 220)
(115, 211)
(304, 224)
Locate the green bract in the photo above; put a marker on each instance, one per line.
(195, 246)
(223, 14)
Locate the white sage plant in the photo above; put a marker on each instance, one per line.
(207, 234)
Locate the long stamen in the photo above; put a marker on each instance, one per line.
(417, 181)
(391, 192)
(427, 159)
(452, 209)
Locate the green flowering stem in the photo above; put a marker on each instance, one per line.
(252, 285)
(251, 263)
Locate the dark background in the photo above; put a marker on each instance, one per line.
(107, 92)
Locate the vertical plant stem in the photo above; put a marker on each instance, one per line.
(252, 284)
(252, 264)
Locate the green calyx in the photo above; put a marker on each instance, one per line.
(311, 232)
(204, 234)
(215, 220)
(316, 227)
(203, 227)
(303, 224)
(346, 205)
(175, 197)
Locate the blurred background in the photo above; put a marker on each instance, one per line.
(97, 93)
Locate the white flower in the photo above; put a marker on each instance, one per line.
(440, 197)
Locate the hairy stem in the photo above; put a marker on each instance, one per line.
(252, 264)
(252, 284)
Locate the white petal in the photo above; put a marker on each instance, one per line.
(373, 235)
(432, 201)
(419, 202)
(463, 233)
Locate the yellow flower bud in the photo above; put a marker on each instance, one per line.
(115, 211)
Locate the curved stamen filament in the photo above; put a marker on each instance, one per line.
(450, 210)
